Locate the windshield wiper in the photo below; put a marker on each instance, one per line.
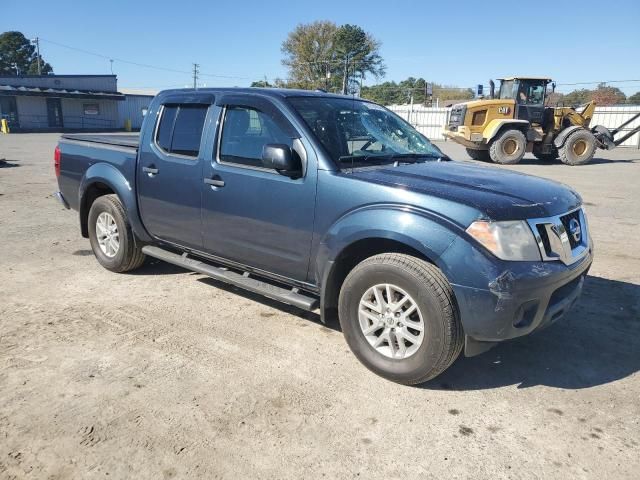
(411, 157)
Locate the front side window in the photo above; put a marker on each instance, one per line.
(531, 93)
(180, 129)
(359, 134)
(244, 134)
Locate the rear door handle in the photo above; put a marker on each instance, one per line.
(151, 171)
(214, 182)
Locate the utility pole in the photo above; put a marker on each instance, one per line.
(344, 76)
(111, 65)
(196, 70)
(36, 41)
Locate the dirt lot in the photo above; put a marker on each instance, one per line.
(164, 373)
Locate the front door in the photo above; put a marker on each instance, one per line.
(54, 113)
(170, 175)
(253, 215)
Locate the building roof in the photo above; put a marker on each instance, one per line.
(140, 92)
(19, 90)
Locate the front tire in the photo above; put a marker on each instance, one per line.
(509, 147)
(112, 240)
(482, 155)
(399, 318)
(578, 148)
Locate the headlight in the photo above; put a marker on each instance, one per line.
(512, 240)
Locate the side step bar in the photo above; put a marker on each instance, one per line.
(274, 292)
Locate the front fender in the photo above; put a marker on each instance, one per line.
(494, 126)
(564, 134)
(116, 181)
(424, 231)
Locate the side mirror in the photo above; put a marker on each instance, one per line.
(279, 157)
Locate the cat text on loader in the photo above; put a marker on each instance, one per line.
(516, 121)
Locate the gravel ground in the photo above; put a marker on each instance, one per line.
(164, 373)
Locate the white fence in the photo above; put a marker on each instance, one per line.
(431, 121)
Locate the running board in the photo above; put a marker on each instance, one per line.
(289, 296)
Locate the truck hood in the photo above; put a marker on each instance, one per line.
(499, 194)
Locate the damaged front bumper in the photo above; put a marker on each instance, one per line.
(511, 299)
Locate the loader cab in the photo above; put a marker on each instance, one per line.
(529, 95)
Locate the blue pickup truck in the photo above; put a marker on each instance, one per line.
(333, 203)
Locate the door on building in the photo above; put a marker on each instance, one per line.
(9, 111)
(54, 112)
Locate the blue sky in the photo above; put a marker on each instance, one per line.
(451, 42)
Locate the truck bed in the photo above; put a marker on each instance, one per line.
(129, 140)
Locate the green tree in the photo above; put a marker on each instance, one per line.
(577, 97)
(357, 54)
(261, 84)
(323, 55)
(18, 56)
(390, 93)
(309, 54)
(634, 99)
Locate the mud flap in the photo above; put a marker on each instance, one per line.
(473, 347)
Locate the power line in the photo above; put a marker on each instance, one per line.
(138, 64)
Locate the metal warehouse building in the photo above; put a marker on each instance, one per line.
(68, 102)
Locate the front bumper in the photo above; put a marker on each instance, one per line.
(521, 300)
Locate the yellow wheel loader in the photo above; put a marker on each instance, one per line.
(506, 126)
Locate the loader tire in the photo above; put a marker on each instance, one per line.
(578, 148)
(482, 155)
(509, 147)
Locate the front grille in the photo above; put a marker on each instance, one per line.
(569, 225)
(456, 117)
(563, 237)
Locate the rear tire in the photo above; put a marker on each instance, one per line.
(112, 240)
(414, 284)
(509, 147)
(482, 155)
(578, 148)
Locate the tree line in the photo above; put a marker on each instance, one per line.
(602, 95)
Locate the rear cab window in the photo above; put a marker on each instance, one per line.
(180, 129)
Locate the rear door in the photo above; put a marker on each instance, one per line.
(170, 170)
(253, 215)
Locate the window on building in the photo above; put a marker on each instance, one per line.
(91, 109)
(244, 134)
(180, 129)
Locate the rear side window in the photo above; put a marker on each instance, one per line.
(180, 129)
(163, 137)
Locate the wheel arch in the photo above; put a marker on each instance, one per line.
(350, 256)
(103, 179)
(497, 126)
(560, 140)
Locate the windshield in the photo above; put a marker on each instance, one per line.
(359, 134)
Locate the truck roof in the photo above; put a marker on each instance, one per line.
(267, 92)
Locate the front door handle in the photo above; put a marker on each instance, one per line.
(214, 182)
(150, 171)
